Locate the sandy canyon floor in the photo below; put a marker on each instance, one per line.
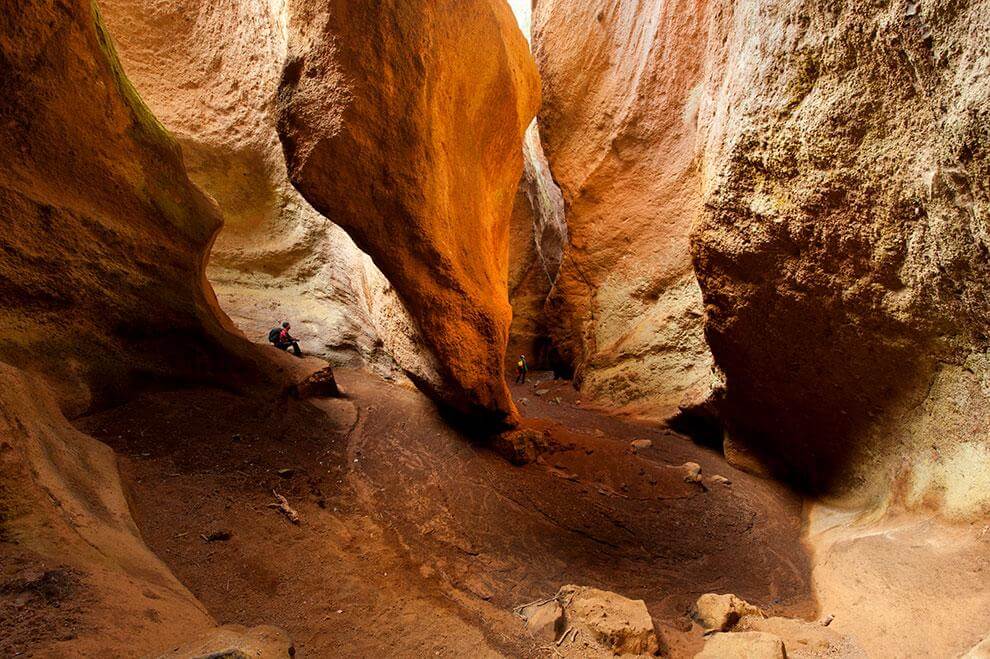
(416, 541)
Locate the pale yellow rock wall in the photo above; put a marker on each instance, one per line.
(209, 71)
(616, 125)
(843, 254)
(822, 171)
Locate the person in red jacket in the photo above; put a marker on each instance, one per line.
(286, 341)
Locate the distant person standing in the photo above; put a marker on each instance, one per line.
(282, 340)
(522, 368)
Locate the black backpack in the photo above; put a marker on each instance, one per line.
(273, 334)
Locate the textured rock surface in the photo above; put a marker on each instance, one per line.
(209, 71)
(743, 645)
(722, 612)
(803, 639)
(65, 516)
(537, 235)
(616, 623)
(843, 256)
(99, 219)
(101, 275)
(617, 129)
(833, 161)
(426, 103)
(910, 586)
(237, 642)
(587, 622)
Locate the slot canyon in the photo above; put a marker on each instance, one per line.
(627, 328)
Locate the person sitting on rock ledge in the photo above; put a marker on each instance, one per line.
(283, 340)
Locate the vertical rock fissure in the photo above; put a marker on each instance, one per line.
(538, 234)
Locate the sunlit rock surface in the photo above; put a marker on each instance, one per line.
(616, 121)
(209, 71)
(404, 121)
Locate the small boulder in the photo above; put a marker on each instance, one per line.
(640, 444)
(236, 642)
(217, 535)
(740, 457)
(722, 612)
(617, 623)
(520, 446)
(321, 384)
(692, 472)
(544, 619)
(721, 480)
(542, 392)
(743, 645)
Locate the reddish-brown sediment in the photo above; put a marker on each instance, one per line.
(417, 540)
(403, 121)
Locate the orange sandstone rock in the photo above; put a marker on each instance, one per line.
(104, 236)
(102, 254)
(209, 70)
(403, 121)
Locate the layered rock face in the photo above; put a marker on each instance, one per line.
(403, 121)
(626, 309)
(101, 274)
(99, 218)
(832, 161)
(844, 254)
(209, 71)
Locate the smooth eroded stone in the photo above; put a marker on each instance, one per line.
(403, 121)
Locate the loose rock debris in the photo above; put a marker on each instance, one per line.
(284, 508)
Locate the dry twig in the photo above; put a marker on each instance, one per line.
(284, 508)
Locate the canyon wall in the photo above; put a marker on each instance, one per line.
(99, 217)
(626, 309)
(101, 274)
(210, 71)
(825, 167)
(404, 122)
(844, 251)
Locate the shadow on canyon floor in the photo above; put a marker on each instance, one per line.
(414, 540)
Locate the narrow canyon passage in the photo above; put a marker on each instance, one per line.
(627, 327)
